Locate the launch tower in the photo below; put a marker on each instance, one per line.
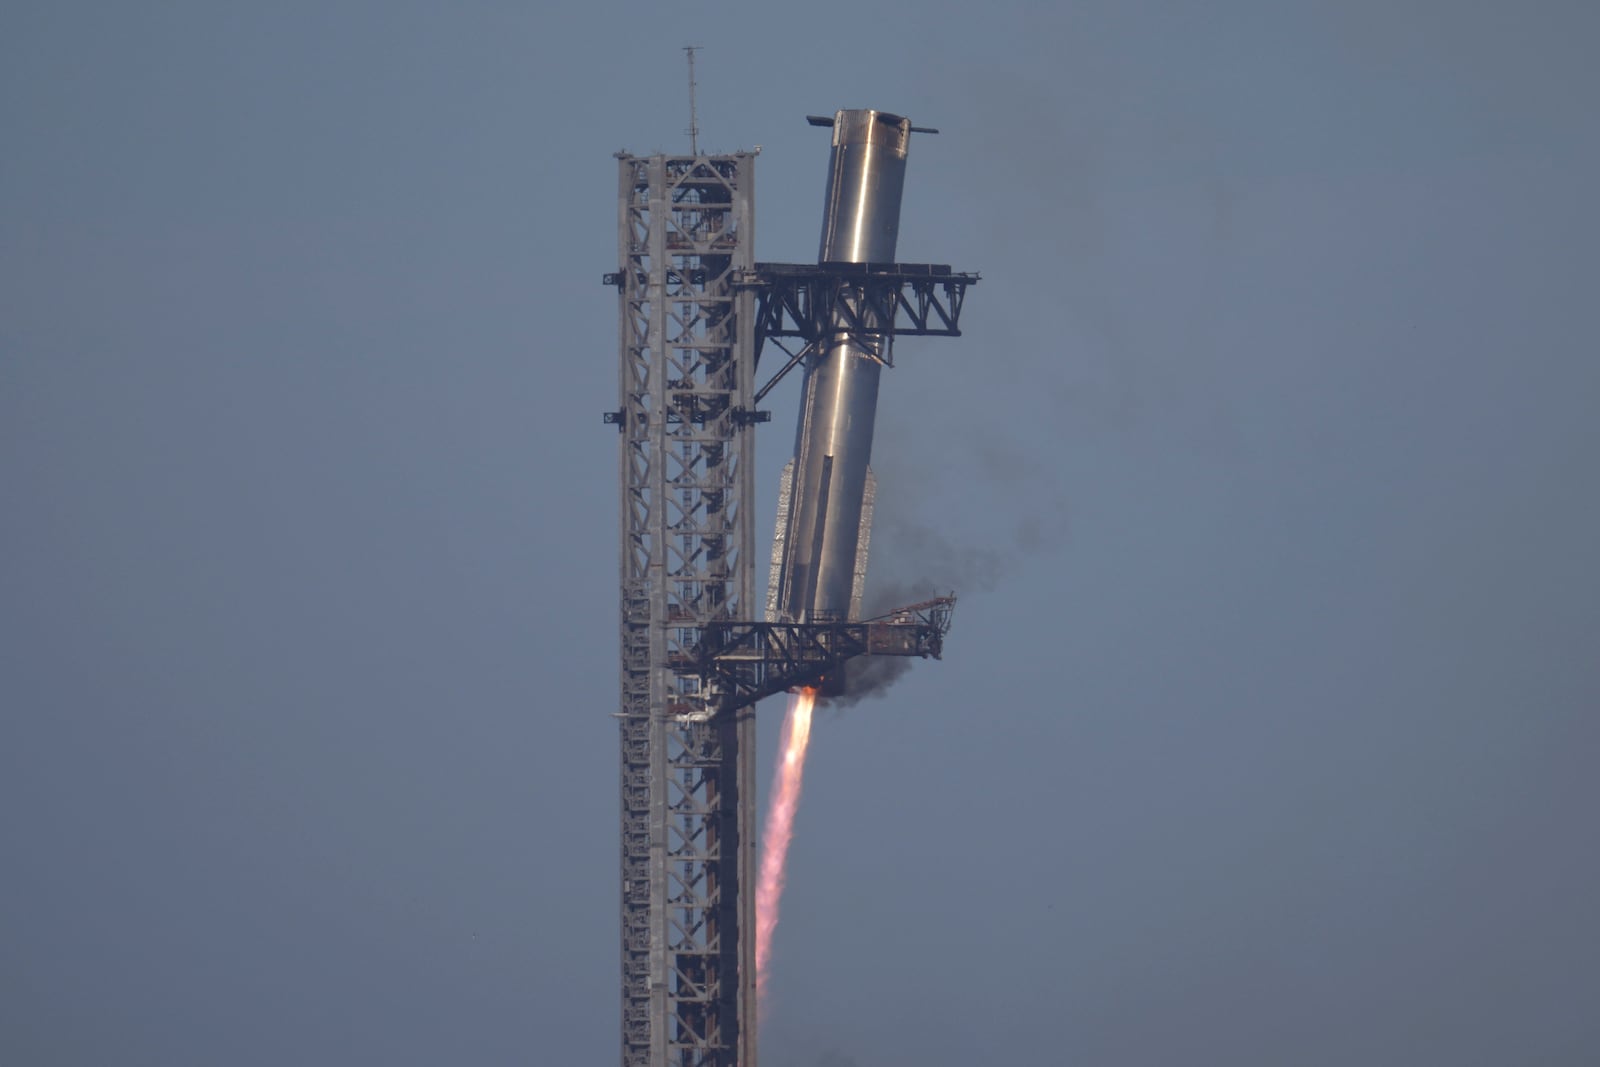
(696, 312)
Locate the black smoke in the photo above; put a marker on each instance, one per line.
(917, 560)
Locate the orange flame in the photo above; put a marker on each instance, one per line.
(779, 827)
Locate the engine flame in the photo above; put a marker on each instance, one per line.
(779, 828)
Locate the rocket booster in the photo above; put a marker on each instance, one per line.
(825, 503)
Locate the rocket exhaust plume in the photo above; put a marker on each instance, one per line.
(779, 828)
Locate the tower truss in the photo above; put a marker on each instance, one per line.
(685, 234)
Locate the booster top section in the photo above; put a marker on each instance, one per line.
(865, 126)
(866, 172)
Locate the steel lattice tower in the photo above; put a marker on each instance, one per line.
(696, 312)
(685, 235)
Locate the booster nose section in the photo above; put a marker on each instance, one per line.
(866, 175)
(826, 517)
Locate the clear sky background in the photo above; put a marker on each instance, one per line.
(1267, 731)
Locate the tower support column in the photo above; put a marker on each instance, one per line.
(686, 354)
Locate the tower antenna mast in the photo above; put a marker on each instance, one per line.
(694, 127)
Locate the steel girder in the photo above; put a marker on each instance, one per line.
(741, 662)
(685, 230)
(870, 303)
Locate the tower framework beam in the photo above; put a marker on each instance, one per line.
(867, 304)
(742, 662)
(685, 229)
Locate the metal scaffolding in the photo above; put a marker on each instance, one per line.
(685, 231)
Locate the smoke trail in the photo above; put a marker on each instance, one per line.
(779, 828)
(924, 562)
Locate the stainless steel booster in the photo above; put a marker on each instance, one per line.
(825, 501)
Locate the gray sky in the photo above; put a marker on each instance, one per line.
(1267, 729)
